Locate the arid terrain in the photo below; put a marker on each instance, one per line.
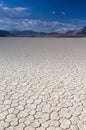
(42, 83)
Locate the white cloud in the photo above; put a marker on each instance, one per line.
(16, 12)
(53, 12)
(2, 6)
(63, 13)
(80, 22)
(83, 21)
(18, 18)
(36, 25)
(21, 9)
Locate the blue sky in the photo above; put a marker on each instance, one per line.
(42, 15)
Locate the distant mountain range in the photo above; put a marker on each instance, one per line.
(29, 33)
(81, 32)
(32, 33)
(4, 33)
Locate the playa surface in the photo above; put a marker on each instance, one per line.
(42, 84)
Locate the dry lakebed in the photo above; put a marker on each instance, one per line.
(42, 83)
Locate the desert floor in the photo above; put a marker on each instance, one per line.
(42, 84)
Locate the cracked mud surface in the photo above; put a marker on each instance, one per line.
(42, 84)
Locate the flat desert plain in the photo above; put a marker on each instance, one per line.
(42, 83)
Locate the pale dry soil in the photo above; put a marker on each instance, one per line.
(42, 84)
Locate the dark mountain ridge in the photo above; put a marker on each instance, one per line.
(4, 33)
(80, 32)
(29, 33)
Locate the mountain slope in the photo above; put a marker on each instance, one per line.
(81, 32)
(27, 33)
(23, 33)
(4, 33)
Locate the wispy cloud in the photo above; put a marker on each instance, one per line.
(18, 18)
(79, 22)
(4, 7)
(63, 13)
(16, 12)
(53, 12)
(36, 25)
(83, 21)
